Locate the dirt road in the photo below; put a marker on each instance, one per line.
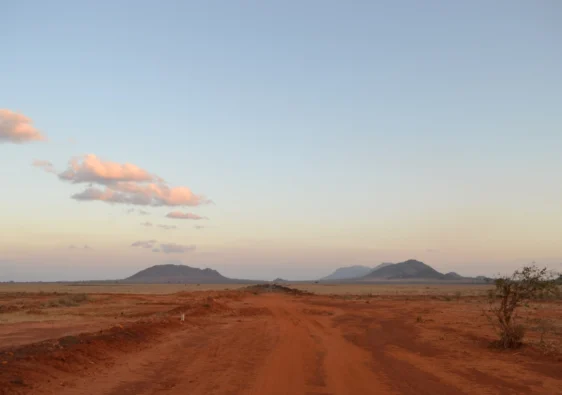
(280, 344)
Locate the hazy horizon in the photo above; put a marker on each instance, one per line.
(279, 139)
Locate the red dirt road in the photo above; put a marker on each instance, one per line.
(280, 344)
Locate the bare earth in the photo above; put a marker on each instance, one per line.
(237, 342)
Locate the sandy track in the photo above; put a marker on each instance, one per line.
(306, 345)
(286, 352)
(311, 357)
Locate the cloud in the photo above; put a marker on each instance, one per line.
(91, 169)
(85, 247)
(199, 227)
(174, 248)
(141, 212)
(144, 244)
(142, 195)
(168, 227)
(126, 183)
(166, 248)
(17, 128)
(180, 215)
(45, 165)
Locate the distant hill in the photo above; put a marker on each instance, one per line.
(410, 269)
(280, 280)
(452, 276)
(182, 274)
(384, 264)
(345, 273)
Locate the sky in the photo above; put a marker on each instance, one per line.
(278, 138)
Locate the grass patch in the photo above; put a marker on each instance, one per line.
(68, 300)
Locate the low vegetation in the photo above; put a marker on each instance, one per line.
(68, 300)
(512, 292)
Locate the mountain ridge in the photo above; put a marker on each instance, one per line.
(410, 269)
(347, 272)
(174, 273)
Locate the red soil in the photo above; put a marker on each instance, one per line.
(236, 343)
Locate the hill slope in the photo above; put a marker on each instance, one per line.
(182, 274)
(344, 273)
(384, 264)
(410, 269)
(453, 276)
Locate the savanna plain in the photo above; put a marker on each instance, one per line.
(300, 339)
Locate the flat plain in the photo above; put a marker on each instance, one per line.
(344, 339)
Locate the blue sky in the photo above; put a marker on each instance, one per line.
(326, 133)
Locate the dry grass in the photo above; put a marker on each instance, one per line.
(113, 288)
(445, 290)
(450, 290)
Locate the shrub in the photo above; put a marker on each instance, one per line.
(79, 298)
(509, 294)
(68, 300)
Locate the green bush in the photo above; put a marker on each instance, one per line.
(510, 293)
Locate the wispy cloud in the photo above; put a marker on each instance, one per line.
(84, 247)
(144, 244)
(166, 248)
(168, 227)
(165, 227)
(199, 227)
(140, 212)
(173, 248)
(17, 128)
(180, 215)
(45, 165)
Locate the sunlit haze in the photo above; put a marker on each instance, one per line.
(279, 139)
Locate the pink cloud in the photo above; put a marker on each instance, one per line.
(144, 195)
(45, 165)
(17, 128)
(90, 168)
(180, 215)
(126, 183)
